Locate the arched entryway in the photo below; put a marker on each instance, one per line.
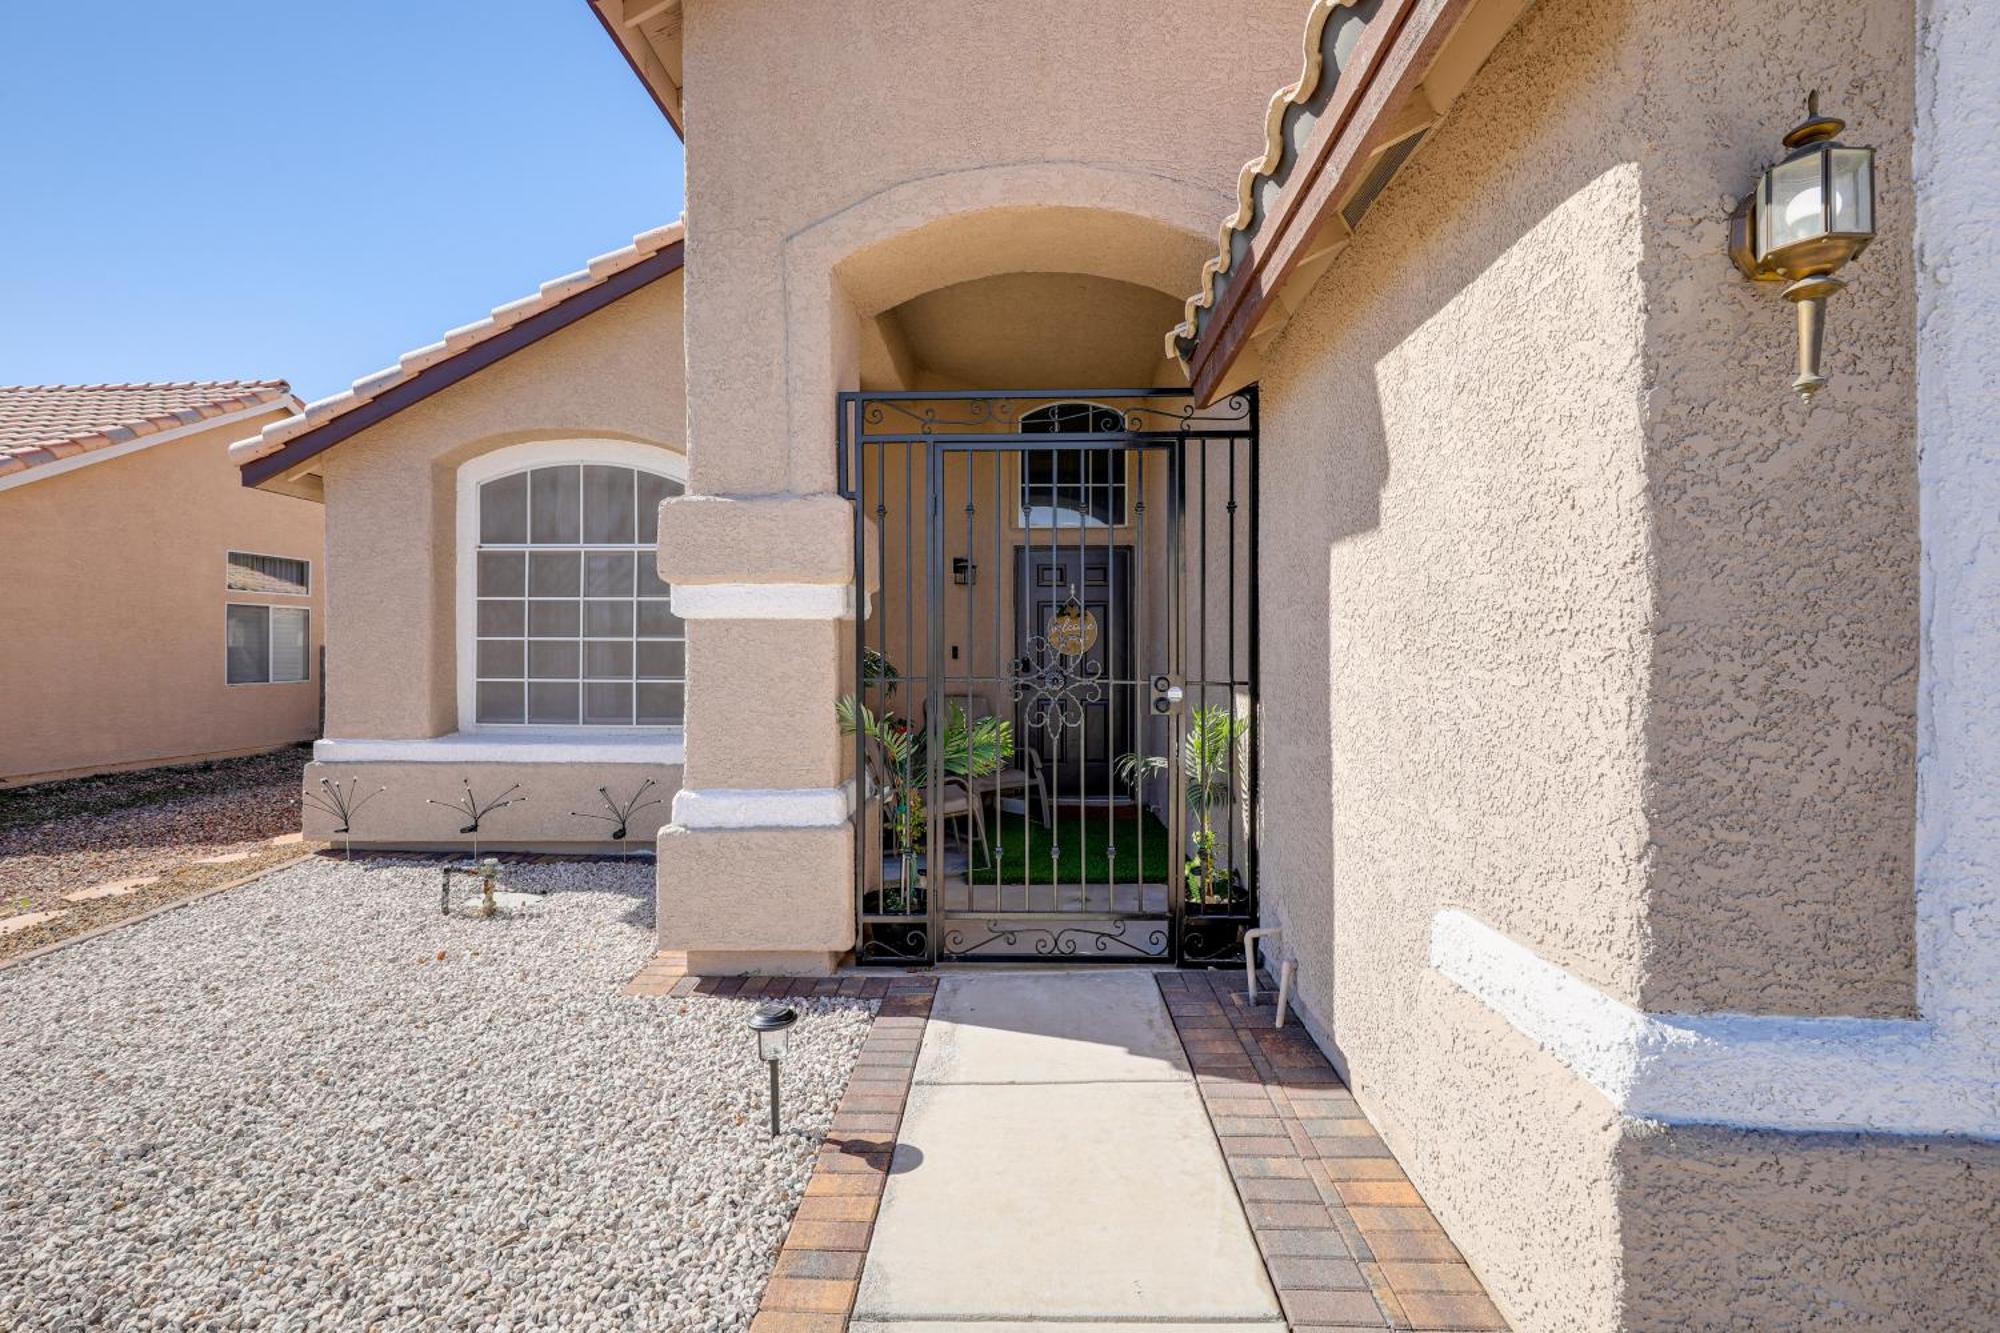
(1054, 721)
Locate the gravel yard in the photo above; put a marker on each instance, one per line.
(313, 1102)
(57, 838)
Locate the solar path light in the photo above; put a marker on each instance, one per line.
(773, 1025)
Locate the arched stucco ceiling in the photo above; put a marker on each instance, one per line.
(1035, 330)
(1126, 248)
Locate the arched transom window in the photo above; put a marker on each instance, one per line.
(1072, 488)
(572, 626)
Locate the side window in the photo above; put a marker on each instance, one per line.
(267, 645)
(281, 575)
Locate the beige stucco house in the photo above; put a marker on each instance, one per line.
(152, 611)
(1407, 542)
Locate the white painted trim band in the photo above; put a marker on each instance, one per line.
(667, 746)
(744, 808)
(1884, 1076)
(764, 601)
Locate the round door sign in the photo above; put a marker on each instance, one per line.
(1073, 632)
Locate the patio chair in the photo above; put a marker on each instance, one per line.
(957, 803)
(1023, 775)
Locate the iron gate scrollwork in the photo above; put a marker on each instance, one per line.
(1054, 709)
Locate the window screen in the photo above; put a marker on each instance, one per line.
(280, 574)
(267, 645)
(573, 625)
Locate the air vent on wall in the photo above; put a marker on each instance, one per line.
(1387, 163)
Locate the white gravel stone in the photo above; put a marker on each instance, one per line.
(315, 1103)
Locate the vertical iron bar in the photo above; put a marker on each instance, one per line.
(1177, 779)
(1230, 603)
(1201, 620)
(1256, 715)
(858, 499)
(1113, 516)
(935, 873)
(1142, 720)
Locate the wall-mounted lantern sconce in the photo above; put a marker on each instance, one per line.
(963, 570)
(1810, 213)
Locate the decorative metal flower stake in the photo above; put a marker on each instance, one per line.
(621, 811)
(474, 810)
(339, 802)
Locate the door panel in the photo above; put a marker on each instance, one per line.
(1074, 708)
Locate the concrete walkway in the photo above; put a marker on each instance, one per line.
(1056, 1169)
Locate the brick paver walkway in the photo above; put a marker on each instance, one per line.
(1346, 1238)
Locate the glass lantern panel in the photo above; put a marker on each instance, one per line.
(1792, 209)
(1853, 173)
(771, 1045)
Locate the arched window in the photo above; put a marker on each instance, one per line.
(569, 624)
(1072, 488)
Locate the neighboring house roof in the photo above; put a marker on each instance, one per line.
(417, 375)
(43, 424)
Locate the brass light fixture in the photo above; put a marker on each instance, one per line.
(1811, 212)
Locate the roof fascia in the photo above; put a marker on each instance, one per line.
(614, 29)
(1335, 160)
(443, 374)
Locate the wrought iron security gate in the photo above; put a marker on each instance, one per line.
(1054, 703)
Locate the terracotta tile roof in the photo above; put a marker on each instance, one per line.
(43, 423)
(1287, 120)
(459, 340)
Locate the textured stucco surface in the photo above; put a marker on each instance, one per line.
(1574, 621)
(1740, 1229)
(772, 891)
(1781, 731)
(792, 670)
(1958, 831)
(391, 497)
(111, 611)
(553, 799)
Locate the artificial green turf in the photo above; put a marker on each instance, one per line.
(1080, 842)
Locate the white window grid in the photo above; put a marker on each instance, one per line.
(646, 592)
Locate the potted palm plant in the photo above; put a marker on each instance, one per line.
(1207, 768)
(968, 748)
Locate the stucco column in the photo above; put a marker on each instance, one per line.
(756, 868)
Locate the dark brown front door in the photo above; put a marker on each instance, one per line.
(1074, 687)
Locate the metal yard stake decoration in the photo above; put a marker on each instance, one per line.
(339, 802)
(474, 810)
(621, 811)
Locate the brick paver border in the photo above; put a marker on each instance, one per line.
(813, 1285)
(1347, 1240)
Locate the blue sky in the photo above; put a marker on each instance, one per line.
(222, 189)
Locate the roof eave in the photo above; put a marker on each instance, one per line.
(622, 20)
(281, 469)
(1383, 105)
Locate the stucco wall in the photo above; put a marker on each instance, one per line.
(559, 807)
(1781, 766)
(942, 92)
(391, 498)
(1741, 1229)
(112, 611)
(1573, 619)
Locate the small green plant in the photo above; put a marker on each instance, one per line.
(967, 749)
(1207, 769)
